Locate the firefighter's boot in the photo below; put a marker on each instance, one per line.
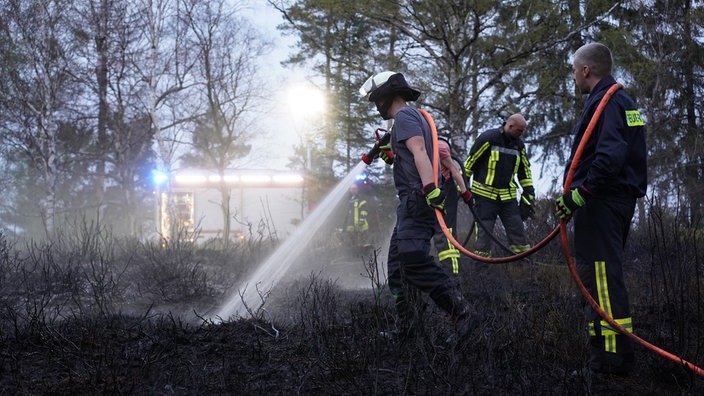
(461, 313)
(409, 320)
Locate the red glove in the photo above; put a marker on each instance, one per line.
(467, 197)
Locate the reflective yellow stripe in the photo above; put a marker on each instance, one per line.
(356, 212)
(482, 253)
(516, 165)
(491, 166)
(451, 253)
(448, 253)
(602, 286)
(472, 160)
(606, 328)
(525, 183)
(602, 289)
(504, 194)
(526, 166)
(519, 248)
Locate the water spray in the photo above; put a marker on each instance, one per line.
(253, 292)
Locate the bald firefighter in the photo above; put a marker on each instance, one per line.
(496, 162)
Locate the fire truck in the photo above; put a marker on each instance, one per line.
(190, 203)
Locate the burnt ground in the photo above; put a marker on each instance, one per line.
(325, 340)
(91, 315)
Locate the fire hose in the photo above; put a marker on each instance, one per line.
(562, 229)
(483, 226)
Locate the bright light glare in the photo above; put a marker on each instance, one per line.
(255, 178)
(191, 179)
(159, 177)
(288, 178)
(306, 100)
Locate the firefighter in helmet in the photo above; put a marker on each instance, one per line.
(411, 267)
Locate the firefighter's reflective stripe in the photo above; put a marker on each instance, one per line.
(527, 180)
(491, 166)
(494, 158)
(604, 300)
(478, 252)
(609, 333)
(452, 254)
(493, 193)
(519, 248)
(469, 164)
(359, 218)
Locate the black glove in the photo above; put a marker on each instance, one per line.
(526, 206)
(571, 201)
(434, 196)
(386, 154)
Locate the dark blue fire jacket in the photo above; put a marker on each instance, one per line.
(613, 163)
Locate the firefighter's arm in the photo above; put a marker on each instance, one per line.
(433, 195)
(475, 153)
(450, 165)
(416, 145)
(525, 179)
(611, 150)
(457, 176)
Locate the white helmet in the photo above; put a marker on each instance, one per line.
(386, 84)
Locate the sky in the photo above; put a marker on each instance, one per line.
(295, 105)
(295, 113)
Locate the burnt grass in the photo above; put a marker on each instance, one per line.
(91, 314)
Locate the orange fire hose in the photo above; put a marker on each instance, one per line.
(447, 232)
(563, 232)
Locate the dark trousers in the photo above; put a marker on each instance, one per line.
(486, 211)
(409, 262)
(600, 232)
(447, 252)
(451, 201)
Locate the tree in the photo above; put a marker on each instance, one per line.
(36, 93)
(226, 77)
(334, 41)
(665, 75)
(112, 32)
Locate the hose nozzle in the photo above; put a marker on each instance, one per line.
(383, 140)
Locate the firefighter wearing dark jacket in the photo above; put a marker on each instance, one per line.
(610, 176)
(495, 159)
(411, 268)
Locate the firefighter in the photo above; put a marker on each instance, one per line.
(496, 158)
(610, 176)
(454, 187)
(411, 268)
(356, 220)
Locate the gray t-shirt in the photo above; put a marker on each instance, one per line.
(408, 122)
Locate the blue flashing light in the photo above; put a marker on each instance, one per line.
(159, 177)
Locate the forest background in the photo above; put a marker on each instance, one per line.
(96, 95)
